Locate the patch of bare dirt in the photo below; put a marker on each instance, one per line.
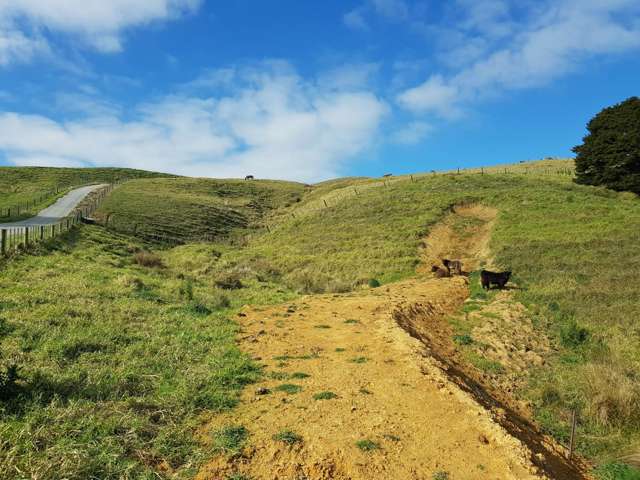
(388, 357)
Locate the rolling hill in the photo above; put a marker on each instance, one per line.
(147, 348)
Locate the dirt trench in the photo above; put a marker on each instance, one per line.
(372, 385)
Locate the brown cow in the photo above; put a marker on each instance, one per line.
(454, 266)
(440, 272)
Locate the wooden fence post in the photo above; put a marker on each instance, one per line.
(41, 232)
(573, 433)
(3, 240)
(325, 203)
(26, 236)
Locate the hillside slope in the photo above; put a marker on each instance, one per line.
(575, 255)
(34, 188)
(178, 210)
(573, 249)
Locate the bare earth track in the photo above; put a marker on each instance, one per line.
(388, 357)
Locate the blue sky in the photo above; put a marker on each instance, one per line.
(307, 90)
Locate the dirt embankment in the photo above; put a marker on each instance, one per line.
(372, 387)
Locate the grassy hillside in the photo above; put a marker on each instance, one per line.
(187, 209)
(140, 352)
(574, 251)
(117, 360)
(37, 186)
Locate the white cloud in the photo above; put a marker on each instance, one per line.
(553, 41)
(16, 46)
(97, 23)
(391, 9)
(412, 134)
(355, 19)
(350, 76)
(273, 125)
(435, 95)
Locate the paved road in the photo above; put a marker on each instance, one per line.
(62, 208)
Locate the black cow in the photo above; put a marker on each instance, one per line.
(249, 177)
(488, 278)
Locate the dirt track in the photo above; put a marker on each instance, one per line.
(393, 387)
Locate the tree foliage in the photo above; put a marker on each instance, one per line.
(610, 153)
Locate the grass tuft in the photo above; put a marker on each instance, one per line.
(287, 436)
(325, 396)
(289, 388)
(367, 445)
(230, 439)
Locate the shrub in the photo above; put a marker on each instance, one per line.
(610, 153)
(373, 283)
(572, 335)
(147, 259)
(306, 281)
(8, 378)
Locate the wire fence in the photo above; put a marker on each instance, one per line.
(335, 196)
(14, 210)
(17, 238)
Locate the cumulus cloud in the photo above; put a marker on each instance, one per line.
(272, 124)
(553, 41)
(412, 133)
(97, 23)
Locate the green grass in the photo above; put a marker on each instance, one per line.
(367, 445)
(230, 439)
(287, 436)
(325, 396)
(188, 209)
(464, 339)
(288, 388)
(115, 364)
(36, 186)
(484, 364)
(617, 471)
(359, 360)
(573, 250)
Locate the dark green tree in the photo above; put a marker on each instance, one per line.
(610, 154)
